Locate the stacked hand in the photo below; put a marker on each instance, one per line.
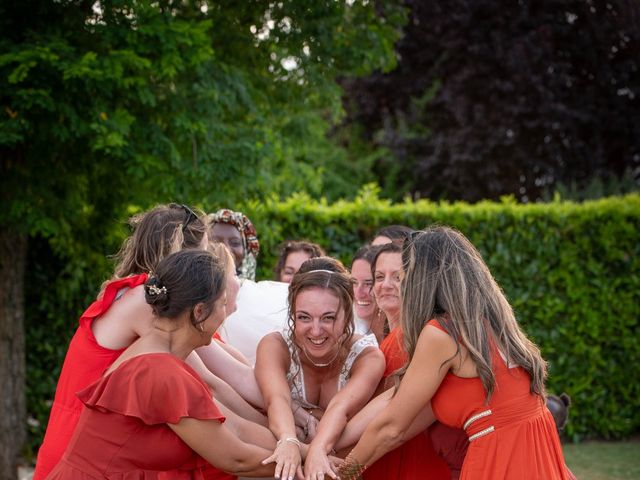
(287, 457)
(318, 464)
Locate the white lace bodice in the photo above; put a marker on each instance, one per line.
(295, 376)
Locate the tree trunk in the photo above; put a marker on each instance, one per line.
(13, 252)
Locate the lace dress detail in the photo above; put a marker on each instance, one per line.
(295, 377)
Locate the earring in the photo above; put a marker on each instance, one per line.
(201, 327)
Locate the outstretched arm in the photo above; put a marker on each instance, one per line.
(365, 375)
(237, 374)
(219, 446)
(247, 431)
(360, 421)
(272, 364)
(224, 393)
(430, 363)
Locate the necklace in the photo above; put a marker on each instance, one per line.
(320, 365)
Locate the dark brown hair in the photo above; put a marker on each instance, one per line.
(184, 279)
(395, 233)
(312, 249)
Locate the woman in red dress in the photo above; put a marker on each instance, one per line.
(471, 362)
(117, 318)
(150, 416)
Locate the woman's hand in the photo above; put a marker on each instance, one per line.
(306, 423)
(318, 464)
(287, 458)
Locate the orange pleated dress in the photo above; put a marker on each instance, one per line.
(416, 458)
(122, 432)
(512, 437)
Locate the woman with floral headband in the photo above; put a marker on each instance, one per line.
(237, 232)
(319, 365)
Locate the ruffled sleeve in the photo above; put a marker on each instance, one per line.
(156, 388)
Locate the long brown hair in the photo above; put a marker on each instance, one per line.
(447, 279)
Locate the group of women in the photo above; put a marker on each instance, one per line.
(412, 365)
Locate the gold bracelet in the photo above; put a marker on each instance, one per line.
(351, 469)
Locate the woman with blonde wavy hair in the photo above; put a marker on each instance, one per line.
(471, 362)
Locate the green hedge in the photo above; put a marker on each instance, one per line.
(571, 271)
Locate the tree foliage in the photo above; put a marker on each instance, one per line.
(500, 97)
(110, 106)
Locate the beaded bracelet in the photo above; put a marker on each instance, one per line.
(351, 469)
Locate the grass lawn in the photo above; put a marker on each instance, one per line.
(604, 460)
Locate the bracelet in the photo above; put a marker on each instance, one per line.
(351, 469)
(293, 440)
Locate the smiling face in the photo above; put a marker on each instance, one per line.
(292, 265)
(365, 305)
(230, 236)
(319, 323)
(386, 286)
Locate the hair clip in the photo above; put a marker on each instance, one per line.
(155, 290)
(321, 270)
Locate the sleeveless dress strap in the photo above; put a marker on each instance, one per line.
(356, 349)
(103, 303)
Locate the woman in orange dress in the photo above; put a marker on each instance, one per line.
(417, 455)
(471, 363)
(150, 416)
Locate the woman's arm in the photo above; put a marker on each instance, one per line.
(233, 351)
(432, 359)
(224, 393)
(272, 365)
(246, 430)
(365, 375)
(360, 421)
(237, 374)
(216, 443)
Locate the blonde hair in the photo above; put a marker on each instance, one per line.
(163, 230)
(447, 279)
(221, 251)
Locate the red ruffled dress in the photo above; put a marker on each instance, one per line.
(416, 458)
(512, 437)
(122, 432)
(84, 363)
